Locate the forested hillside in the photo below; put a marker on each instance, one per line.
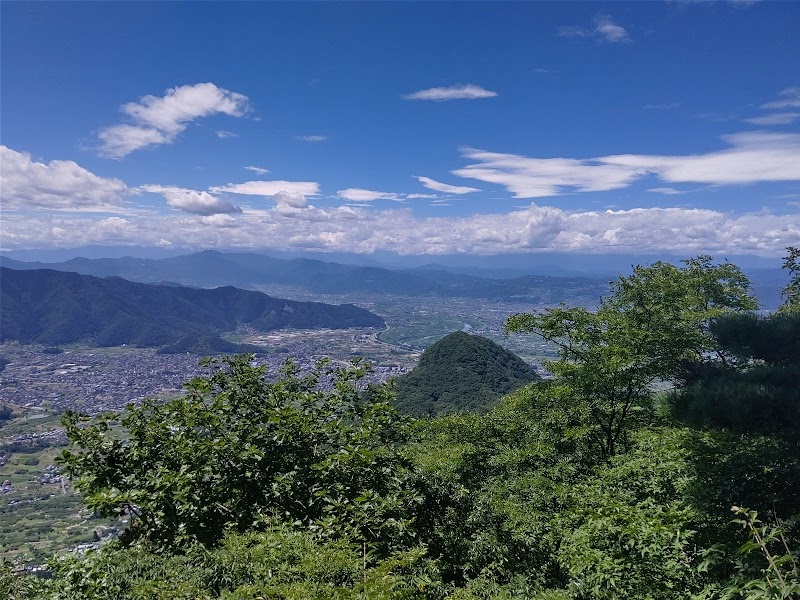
(53, 307)
(460, 372)
(588, 486)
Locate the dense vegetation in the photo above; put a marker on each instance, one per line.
(459, 373)
(53, 307)
(589, 486)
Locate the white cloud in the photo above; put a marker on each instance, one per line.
(752, 158)
(670, 106)
(609, 31)
(222, 134)
(666, 190)
(257, 170)
(421, 196)
(437, 186)
(784, 118)
(790, 98)
(348, 229)
(541, 70)
(605, 31)
(362, 195)
(158, 120)
(59, 185)
(292, 199)
(457, 92)
(312, 138)
(539, 177)
(193, 201)
(268, 188)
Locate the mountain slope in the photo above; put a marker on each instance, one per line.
(53, 307)
(461, 372)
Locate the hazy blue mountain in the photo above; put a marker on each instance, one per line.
(461, 372)
(211, 268)
(53, 307)
(499, 278)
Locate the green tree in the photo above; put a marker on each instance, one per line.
(237, 451)
(655, 322)
(791, 293)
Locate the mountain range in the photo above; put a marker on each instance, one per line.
(247, 270)
(53, 307)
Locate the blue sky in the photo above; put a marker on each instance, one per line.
(414, 128)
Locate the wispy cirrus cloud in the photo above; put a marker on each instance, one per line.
(789, 98)
(605, 30)
(268, 188)
(784, 118)
(364, 195)
(57, 185)
(223, 134)
(670, 106)
(667, 191)
(159, 119)
(751, 157)
(257, 170)
(193, 201)
(456, 92)
(445, 188)
(311, 138)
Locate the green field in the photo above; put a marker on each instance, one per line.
(39, 519)
(422, 331)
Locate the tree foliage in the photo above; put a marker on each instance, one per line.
(655, 321)
(791, 293)
(458, 373)
(236, 450)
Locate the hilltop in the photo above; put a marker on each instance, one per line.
(53, 307)
(461, 372)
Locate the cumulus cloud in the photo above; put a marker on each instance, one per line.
(193, 201)
(445, 188)
(257, 170)
(457, 92)
(57, 185)
(158, 120)
(605, 30)
(789, 98)
(362, 195)
(349, 229)
(268, 188)
(784, 118)
(293, 199)
(752, 157)
(312, 138)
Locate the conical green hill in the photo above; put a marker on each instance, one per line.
(461, 372)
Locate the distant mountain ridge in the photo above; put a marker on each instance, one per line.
(212, 268)
(54, 307)
(461, 372)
